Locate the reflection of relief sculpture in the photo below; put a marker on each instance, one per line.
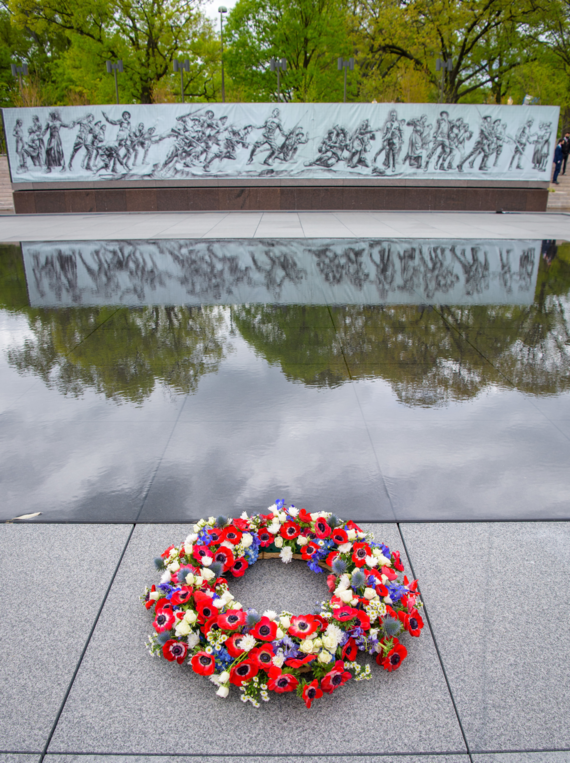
(286, 272)
(294, 140)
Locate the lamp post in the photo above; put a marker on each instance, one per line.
(278, 65)
(115, 67)
(18, 71)
(443, 65)
(221, 10)
(345, 63)
(180, 66)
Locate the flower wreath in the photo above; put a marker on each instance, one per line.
(196, 618)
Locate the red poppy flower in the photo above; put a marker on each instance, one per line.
(364, 619)
(290, 530)
(338, 676)
(323, 622)
(245, 671)
(339, 536)
(304, 516)
(231, 645)
(311, 692)
(390, 611)
(389, 572)
(282, 683)
(296, 663)
(232, 535)
(216, 535)
(232, 619)
(241, 524)
(397, 561)
(381, 590)
(265, 537)
(166, 554)
(303, 626)
(267, 517)
(331, 557)
(336, 602)
(210, 624)
(148, 602)
(225, 557)
(182, 596)
(175, 650)
(331, 582)
(344, 613)
(164, 620)
(265, 630)
(199, 552)
(350, 650)
(413, 622)
(308, 550)
(322, 529)
(359, 553)
(353, 526)
(394, 658)
(240, 566)
(203, 663)
(204, 606)
(263, 656)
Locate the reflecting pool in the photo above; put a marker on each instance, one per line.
(382, 379)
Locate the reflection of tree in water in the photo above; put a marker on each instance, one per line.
(123, 354)
(428, 356)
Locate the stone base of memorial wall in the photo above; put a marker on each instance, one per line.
(283, 198)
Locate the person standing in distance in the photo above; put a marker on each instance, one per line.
(558, 157)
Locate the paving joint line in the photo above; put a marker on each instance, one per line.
(86, 645)
(425, 610)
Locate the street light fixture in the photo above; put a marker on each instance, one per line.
(18, 71)
(443, 65)
(278, 65)
(221, 10)
(115, 67)
(180, 66)
(345, 63)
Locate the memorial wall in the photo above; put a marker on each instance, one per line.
(301, 141)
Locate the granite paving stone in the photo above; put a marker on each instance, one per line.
(125, 701)
(562, 756)
(221, 758)
(54, 579)
(14, 757)
(499, 602)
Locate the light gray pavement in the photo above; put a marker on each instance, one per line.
(495, 593)
(284, 225)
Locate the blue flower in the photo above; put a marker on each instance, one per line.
(280, 503)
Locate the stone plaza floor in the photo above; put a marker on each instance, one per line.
(440, 422)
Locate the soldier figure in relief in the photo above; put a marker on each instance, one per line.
(270, 127)
(522, 139)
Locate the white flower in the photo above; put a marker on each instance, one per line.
(193, 640)
(382, 560)
(207, 561)
(191, 538)
(317, 643)
(246, 540)
(174, 566)
(369, 593)
(302, 540)
(223, 691)
(211, 520)
(246, 643)
(198, 580)
(279, 633)
(361, 535)
(293, 511)
(351, 534)
(154, 595)
(278, 660)
(329, 643)
(387, 600)
(190, 616)
(227, 544)
(346, 595)
(207, 574)
(183, 628)
(371, 561)
(270, 614)
(197, 527)
(224, 677)
(384, 579)
(218, 603)
(236, 605)
(279, 542)
(324, 657)
(243, 515)
(344, 548)
(315, 515)
(227, 597)
(285, 622)
(165, 577)
(188, 548)
(344, 580)
(274, 528)
(286, 554)
(173, 552)
(332, 637)
(306, 646)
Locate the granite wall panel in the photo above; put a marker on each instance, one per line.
(285, 198)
